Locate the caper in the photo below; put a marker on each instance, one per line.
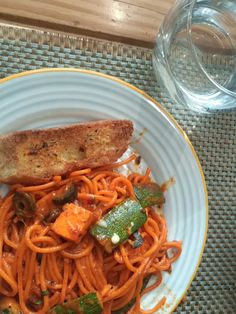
(24, 204)
(52, 216)
(69, 194)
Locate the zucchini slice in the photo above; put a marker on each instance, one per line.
(149, 194)
(118, 224)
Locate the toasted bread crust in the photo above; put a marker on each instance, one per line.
(34, 156)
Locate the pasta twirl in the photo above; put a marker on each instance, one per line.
(42, 269)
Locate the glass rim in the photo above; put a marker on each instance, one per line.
(201, 68)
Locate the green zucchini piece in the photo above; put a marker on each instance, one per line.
(118, 224)
(128, 306)
(87, 304)
(69, 194)
(149, 194)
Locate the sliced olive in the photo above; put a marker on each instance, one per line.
(52, 216)
(24, 204)
(68, 194)
(9, 306)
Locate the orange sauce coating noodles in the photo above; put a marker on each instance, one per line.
(33, 259)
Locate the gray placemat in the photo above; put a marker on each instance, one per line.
(213, 136)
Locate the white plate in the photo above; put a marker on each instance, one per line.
(51, 97)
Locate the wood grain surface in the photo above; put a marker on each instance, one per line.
(129, 21)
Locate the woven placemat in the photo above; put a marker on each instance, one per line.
(213, 136)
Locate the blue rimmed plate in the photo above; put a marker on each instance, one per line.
(52, 97)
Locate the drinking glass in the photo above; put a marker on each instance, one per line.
(195, 54)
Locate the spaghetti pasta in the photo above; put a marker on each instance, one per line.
(41, 269)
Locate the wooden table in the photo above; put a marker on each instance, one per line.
(128, 21)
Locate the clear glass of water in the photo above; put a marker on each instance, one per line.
(195, 54)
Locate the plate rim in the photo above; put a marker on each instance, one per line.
(167, 114)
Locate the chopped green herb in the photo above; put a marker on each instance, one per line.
(6, 311)
(44, 292)
(86, 304)
(38, 302)
(58, 309)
